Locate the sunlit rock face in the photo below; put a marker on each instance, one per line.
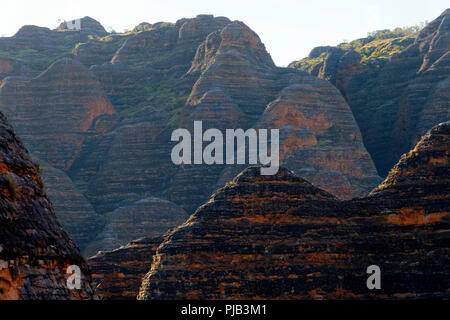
(397, 86)
(422, 172)
(103, 115)
(319, 138)
(239, 86)
(279, 237)
(35, 251)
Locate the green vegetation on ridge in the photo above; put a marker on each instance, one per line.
(377, 46)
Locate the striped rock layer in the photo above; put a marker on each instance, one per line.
(97, 111)
(279, 237)
(397, 86)
(35, 251)
(118, 274)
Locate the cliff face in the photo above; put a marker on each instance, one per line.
(35, 251)
(424, 171)
(118, 274)
(238, 87)
(319, 138)
(396, 84)
(73, 210)
(150, 217)
(104, 117)
(33, 49)
(10, 67)
(280, 237)
(54, 112)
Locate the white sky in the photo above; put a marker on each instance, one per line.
(288, 28)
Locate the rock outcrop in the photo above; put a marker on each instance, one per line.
(424, 171)
(319, 138)
(35, 251)
(149, 217)
(105, 116)
(10, 67)
(396, 84)
(73, 210)
(225, 78)
(238, 86)
(55, 112)
(279, 237)
(33, 49)
(118, 274)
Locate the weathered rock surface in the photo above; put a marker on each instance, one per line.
(154, 60)
(34, 249)
(98, 51)
(279, 237)
(149, 217)
(105, 117)
(235, 60)
(118, 274)
(33, 49)
(319, 138)
(55, 112)
(10, 67)
(397, 86)
(424, 172)
(237, 86)
(73, 210)
(220, 74)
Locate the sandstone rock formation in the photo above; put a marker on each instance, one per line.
(279, 237)
(396, 84)
(105, 116)
(237, 86)
(149, 217)
(424, 171)
(35, 251)
(118, 274)
(10, 67)
(73, 210)
(319, 138)
(33, 49)
(55, 112)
